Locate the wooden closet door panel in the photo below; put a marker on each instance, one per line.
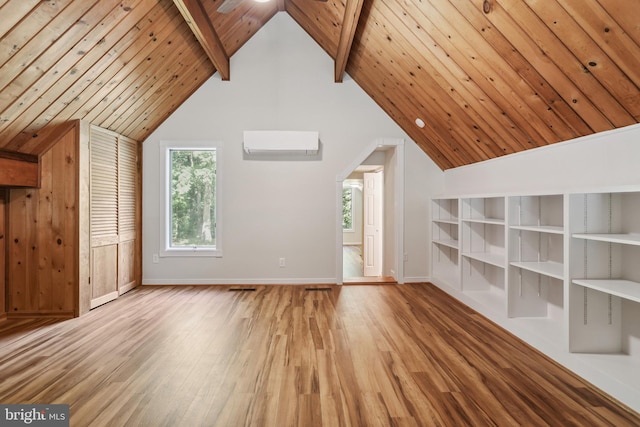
(103, 187)
(127, 266)
(104, 280)
(114, 213)
(103, 169)
(127, 188)
(127, 213)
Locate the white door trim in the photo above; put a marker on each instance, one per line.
(398, 241)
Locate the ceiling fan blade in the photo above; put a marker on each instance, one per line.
(228, 5)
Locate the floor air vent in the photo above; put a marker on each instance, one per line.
(317, 289)
(242, 289)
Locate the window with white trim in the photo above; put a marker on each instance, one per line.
(191, 226)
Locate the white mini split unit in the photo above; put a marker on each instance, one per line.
(281, 142)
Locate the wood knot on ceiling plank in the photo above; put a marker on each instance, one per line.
(487, 6)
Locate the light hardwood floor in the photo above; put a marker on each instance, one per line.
(352, 261)
(352, 268)
(401, 355)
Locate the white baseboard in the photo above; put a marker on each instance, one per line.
(306, 281)
(288, 281)
(417, 279)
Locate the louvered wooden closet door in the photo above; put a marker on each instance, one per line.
(127, 203)
(103, 149)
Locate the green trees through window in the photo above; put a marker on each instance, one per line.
(347, 208)
(193, 198)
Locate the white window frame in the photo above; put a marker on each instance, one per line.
(165, 200)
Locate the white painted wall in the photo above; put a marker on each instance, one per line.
(281, 79)
(423, 180)
(606, 159)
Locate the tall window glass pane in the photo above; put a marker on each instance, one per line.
(347, 208)
(193, 198)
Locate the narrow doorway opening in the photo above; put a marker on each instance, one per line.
(363, 224)
(370, 218)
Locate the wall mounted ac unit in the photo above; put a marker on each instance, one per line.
(278, 141)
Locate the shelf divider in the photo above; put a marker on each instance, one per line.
(450, 243)
(491, 258)
(626, 239)
(626, 289)
(550, 229)
(547, 268)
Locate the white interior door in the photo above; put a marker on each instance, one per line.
(372, 236)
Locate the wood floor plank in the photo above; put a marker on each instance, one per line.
(366, 355)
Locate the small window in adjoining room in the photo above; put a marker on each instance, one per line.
(347, 209)
(191, 226)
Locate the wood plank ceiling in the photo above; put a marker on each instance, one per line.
(487, 77)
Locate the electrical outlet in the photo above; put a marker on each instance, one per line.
(156, 259)
(282, 262)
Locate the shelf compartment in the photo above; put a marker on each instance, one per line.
(539, 252)
(531, 294)
(603, 323)
(604, 291)
(604, 260)
(444, 210)
(444, 231)
(491, 209)
(542, 213)
(595, 321)
(604, 287)
(445, 264)
(484, 242)
(479, 275)
(606, 216)
(445, 252)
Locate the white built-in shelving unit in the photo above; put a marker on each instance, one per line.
(604, 272)
(483, 248)
(562, 271)
(536, 263)
(444, 232)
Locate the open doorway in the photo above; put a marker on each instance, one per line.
(370, 217)
(362, 224)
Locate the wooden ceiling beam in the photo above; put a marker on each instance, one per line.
(18, 169)
(200, 23)
(349, 25)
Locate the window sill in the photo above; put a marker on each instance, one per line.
(191, 252)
